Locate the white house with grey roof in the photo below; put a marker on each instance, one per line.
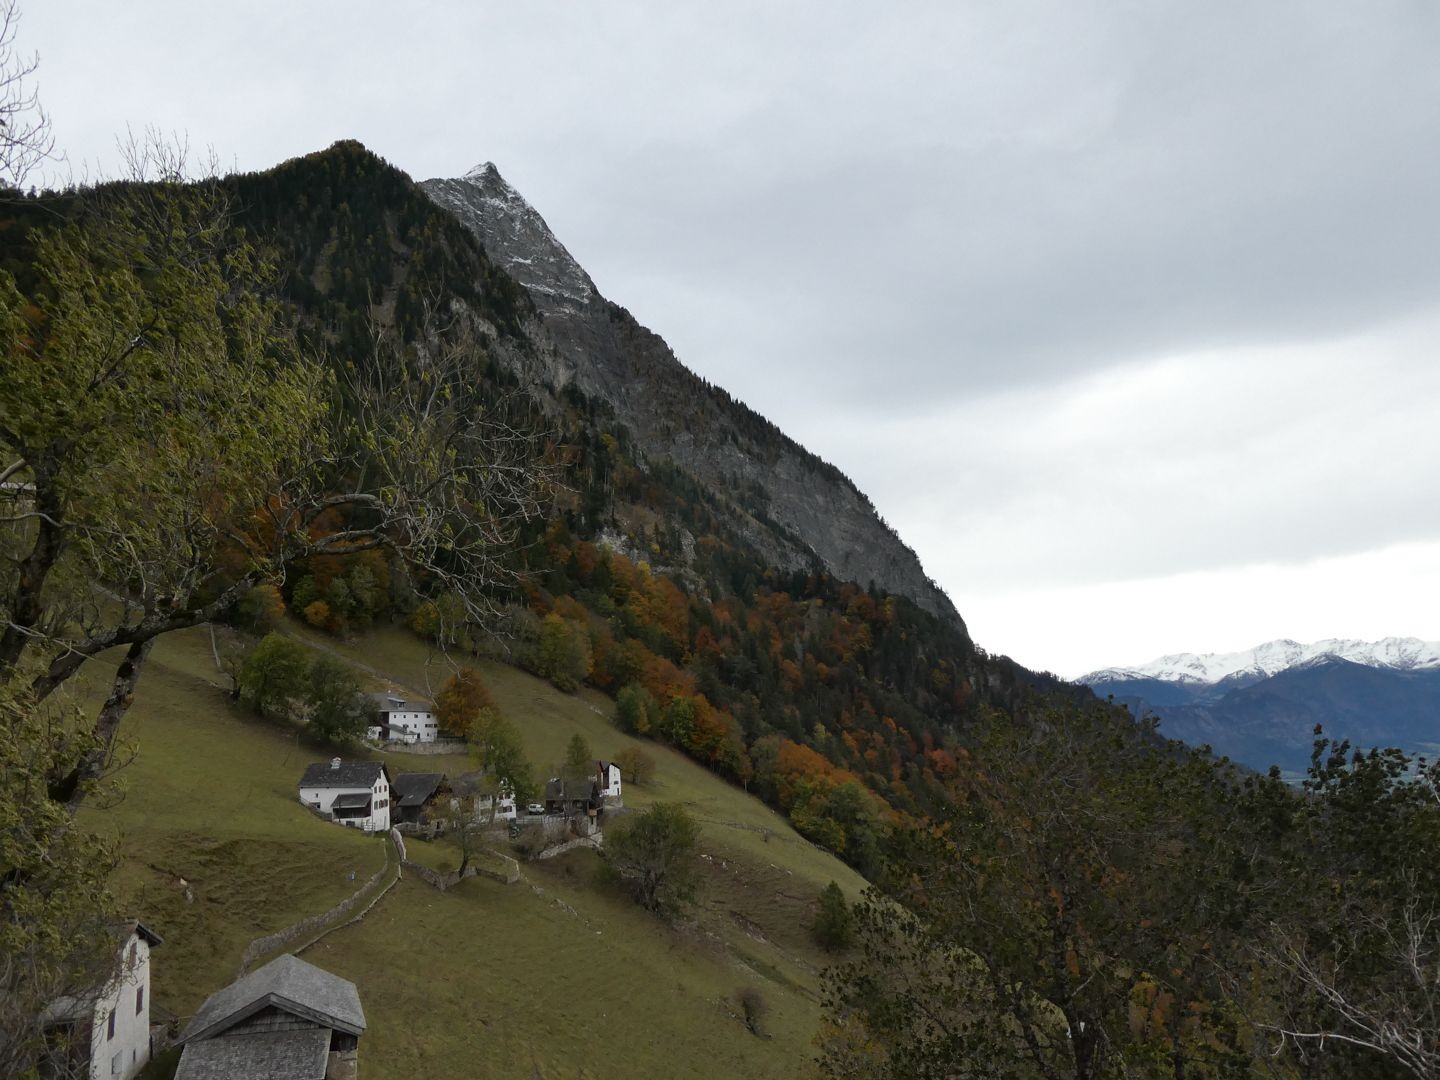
(352, 793)
(288, 1020)
(113, 1026)
(396, 719)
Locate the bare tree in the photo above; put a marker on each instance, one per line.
(26, 137)
(1397, 1017)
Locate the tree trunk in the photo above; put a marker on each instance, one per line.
(107, 726)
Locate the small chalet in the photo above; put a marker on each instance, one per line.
(107, 1035)
(352, 793)
(607, 776)
(573, 797)
(418, 795)
(393, 719)
(288, 1020)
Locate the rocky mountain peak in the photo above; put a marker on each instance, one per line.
(516, 236)
(795, 509)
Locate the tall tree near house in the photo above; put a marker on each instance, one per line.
(496, 748)
(333, 698)
(636, 766)
(275, 676)
(460, 701)
(579, 760)
(55, 906)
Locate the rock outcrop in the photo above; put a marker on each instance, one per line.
(795, 508)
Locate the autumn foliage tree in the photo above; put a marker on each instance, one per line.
(460, 701)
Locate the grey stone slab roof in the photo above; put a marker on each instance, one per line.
(272, 1055)
(288, 983)
(413, 788)
(323, 774)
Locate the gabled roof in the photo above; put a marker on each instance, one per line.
(277, 1055)
(287, 983)
(413, 788)
(135, 926)
(570, 790)
(325, 774)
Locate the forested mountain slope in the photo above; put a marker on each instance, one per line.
(662, 571)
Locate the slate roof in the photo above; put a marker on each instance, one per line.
(135, 926)
(413, 788)
(570, 791)
(274, 1055)
(323, 774)
(288, 983)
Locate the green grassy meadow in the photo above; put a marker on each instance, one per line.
(552, 977)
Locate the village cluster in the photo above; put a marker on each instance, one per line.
(290, 1018)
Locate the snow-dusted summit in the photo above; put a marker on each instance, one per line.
(1273, 657)
(515, 235)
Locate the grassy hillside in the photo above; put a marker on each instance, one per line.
(552, 977)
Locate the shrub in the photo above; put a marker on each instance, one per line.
(753, 1008)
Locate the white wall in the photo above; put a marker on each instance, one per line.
(612, 782)
(318, 798)
(131, 1044)
(422, 725)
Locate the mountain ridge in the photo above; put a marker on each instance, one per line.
(799, 509)
(1273, 657)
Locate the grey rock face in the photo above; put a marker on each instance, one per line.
(792, 506)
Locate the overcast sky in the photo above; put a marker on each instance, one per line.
(1126, 315)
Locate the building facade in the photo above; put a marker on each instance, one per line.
(397, 720)
(356, 794)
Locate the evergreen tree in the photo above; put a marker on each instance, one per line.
(833, 926)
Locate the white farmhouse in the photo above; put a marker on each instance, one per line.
(398, 720)
(353, 793)
(607, 775)
(114, 1026)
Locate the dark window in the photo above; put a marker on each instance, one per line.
(139, 1000)
(110, 1032)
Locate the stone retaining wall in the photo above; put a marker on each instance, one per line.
(262, 946)
(436, 879)
(439, 746)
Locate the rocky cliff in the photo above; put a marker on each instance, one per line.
(796, 508)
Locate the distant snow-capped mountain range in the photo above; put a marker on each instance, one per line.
(1261, 706)
(1273, 657)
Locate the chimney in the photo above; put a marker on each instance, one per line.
(334, 763)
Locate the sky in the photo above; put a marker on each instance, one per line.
(1124, 314)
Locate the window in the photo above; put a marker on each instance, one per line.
(110, 1030)
(117, 1064)
(139, 1000)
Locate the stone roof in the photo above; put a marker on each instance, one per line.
(288, 983)
(326, 774)
(413, 788)
(571, 790)
(273, 1055)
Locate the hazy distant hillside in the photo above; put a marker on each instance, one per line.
(1261, 706)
